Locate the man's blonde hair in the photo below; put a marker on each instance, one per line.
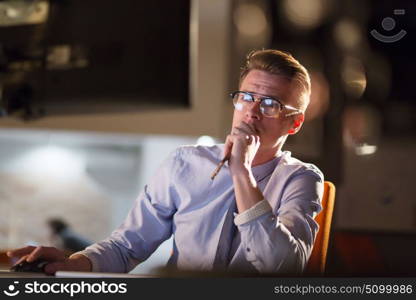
(280, 63)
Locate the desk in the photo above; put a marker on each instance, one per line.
(71, 274)
(8, 274)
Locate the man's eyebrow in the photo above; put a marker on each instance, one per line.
(264, 96)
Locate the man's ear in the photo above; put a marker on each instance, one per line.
(297, 123)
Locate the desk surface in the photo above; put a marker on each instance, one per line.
(9, 274)
(70, 274)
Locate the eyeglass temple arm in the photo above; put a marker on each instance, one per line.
(293, 113)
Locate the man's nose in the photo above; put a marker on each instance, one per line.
(253, 110)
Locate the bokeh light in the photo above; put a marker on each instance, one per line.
(353, 77)
(250, 19)
(347, 34)
(306, 14)
(319, 100)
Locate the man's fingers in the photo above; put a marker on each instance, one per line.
(22, 259)
(48, 253)
(251, 128)
(241, 133)
(240, 130)
(247, 131)
(20, 251)
(37, 253)
(228, 146)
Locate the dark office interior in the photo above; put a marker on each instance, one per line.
(119, 84)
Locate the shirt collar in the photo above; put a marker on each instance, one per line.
(263, 170)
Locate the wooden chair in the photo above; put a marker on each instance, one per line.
(317, 260)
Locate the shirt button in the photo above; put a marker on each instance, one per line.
(248, 249)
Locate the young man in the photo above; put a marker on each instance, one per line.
(255, 216)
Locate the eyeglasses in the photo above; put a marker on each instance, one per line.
(269, 107)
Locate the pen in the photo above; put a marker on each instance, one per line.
(218, 168)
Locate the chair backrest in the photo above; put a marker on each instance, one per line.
(317, 260)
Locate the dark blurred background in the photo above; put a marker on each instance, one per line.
(164, 68)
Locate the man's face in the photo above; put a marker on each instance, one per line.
(272, 131)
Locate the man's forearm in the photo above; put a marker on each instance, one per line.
(247, 193)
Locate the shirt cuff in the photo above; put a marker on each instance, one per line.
(253, 212)
(94, 263)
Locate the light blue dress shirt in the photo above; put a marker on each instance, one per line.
(276, 235)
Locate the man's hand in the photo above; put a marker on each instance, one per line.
(57, 259)
(241, 146)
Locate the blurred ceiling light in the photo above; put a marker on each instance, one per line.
(319, 101)
(347, 34)
(250, 19)
(353, 76)
(306, 14)
(66, 57)
(365, 149)
(51, 162)
(12, 12)
(59, 55)
(23, 12)
(205, 140)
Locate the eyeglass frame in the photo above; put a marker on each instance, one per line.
(260, 100)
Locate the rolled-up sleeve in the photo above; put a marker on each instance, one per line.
(146, 226)
(281, 241)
